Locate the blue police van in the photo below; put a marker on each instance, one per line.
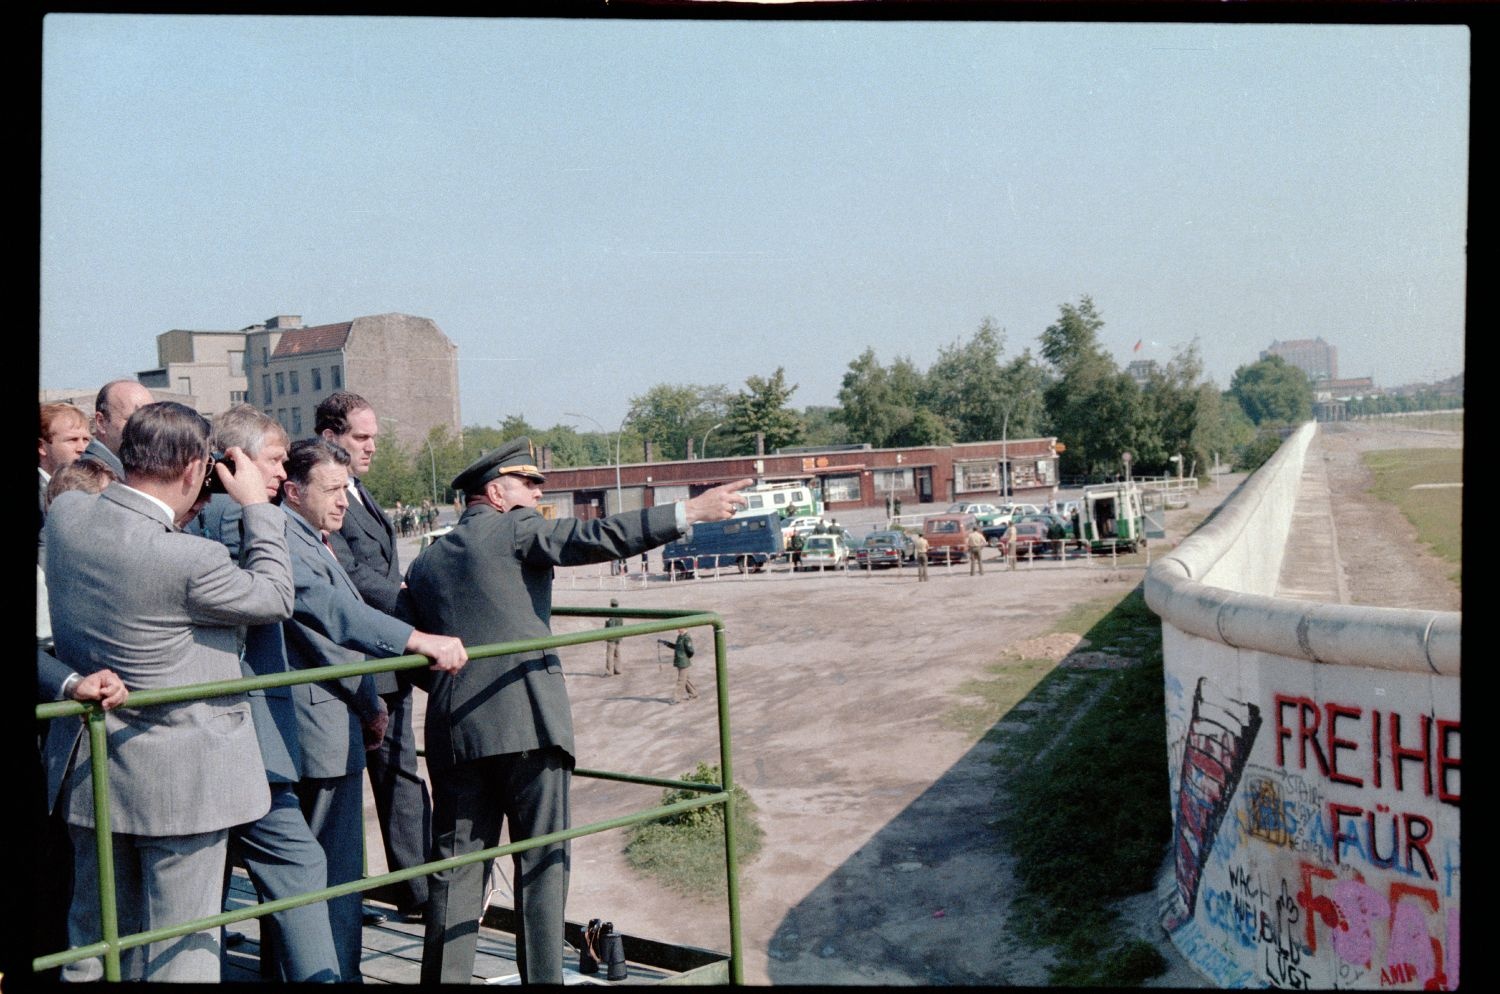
(747, 543)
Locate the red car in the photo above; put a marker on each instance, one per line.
(1028, 538)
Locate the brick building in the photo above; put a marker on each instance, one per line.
(847, 478)
(404, 366)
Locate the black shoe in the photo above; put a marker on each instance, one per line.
(372, 918)
(232, 939)
(411, 916)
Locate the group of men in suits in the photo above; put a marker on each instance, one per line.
(276, 777)
(318, 582)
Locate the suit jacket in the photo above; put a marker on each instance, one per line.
(366, 548)
(490, 580)
(264, 653)
(331, 624)
(130, 593)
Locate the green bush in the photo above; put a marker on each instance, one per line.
(685, 851)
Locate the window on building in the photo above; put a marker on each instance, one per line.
(971, 476)
(296, 386)
(337, 375)
(296, 421)
(317, 379)
(892, 481)
(236, 364)
(837, 488)
(281, 417)
(237, 397)
(280, 384)
(265, 387)
(185, 385)
(265, 356)
(1044, 468)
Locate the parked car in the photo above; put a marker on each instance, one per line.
(995, 534)
(885, 548)
(824, 552)
(1028, 539)
(946, 535)
(801, 524)
(983, 513)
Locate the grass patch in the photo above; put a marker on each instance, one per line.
(685, 851)
(1437, 513)
(1011, 680)
(1091, 820)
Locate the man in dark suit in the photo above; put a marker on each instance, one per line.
(366, 547)
(337, 720)
(116, 401)
(500, 734)
(132, 594)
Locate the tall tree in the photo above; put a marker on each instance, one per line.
(762, 407)
(967, 385)
(1093, 408)
(823, 426)
(669, 414)
(882, 406)
(1272, 391)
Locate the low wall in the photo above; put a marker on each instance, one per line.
(1314, 760)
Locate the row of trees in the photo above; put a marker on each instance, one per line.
(971, 392)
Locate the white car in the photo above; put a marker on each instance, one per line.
(824, 552)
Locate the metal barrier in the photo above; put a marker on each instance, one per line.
(112, 943)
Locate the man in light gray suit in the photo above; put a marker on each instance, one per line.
(337, 720)
(130, 593)
(278, 849)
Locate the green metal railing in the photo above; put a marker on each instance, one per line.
(663, 620)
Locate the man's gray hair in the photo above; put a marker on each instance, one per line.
(249, 428)
(161, 439)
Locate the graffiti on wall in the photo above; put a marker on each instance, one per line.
(1317, 853)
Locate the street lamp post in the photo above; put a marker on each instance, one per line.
(619, 493)
(703, 452)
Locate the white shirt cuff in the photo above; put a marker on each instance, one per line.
(683, 528)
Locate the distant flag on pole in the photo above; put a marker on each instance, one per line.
(1138, 342)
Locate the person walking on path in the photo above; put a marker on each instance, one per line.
(976, 544)
(922, 546)
(682, 659)
(612, 646)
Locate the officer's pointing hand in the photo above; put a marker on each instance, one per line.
(446, 652)
(717, 504)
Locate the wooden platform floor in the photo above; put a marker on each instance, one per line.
(393, 953)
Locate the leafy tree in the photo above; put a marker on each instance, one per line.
(670, 414)
(967, 384)
(392, 475)
(762, 407)
(823, 426)
(1272, 391)
(883, 406)
(1093, 408)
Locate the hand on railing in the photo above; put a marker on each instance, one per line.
(446, 652)
(102, 686)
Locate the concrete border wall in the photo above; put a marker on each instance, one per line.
(1314, 756)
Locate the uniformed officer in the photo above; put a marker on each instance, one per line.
(500, 737)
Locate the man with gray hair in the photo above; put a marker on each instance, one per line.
(116, 401)
(278, 849)
(130, 593)
(331, 624)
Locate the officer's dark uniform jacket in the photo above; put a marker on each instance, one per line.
(489, 580)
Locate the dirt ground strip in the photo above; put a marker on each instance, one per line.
(878, 866)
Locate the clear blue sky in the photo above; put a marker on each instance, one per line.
(588, 208)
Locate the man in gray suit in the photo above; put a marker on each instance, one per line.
(337, 720)
(130, 593)
(500, 734)
(366, 547)
(278, 849)
(116, 401)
